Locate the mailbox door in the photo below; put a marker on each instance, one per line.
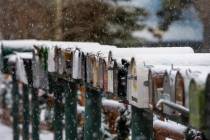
(94, 69)
(197, 110)
(88, 69)
(110, 78)
(68, 60)
(151, 90)
(122, 83)
(101, 70)
(167, 93)
(76, 65)
(179, 90)
(158, 86)
(83, 67)
(133, 86)
(115, 78)
(105, 78)
(207, 115)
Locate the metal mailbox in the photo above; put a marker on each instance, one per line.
(198, 100)
(116, 55)
(139, 96)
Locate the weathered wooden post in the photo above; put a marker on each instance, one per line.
(26, 114)
(142, 124)
(58, 109)
(19, 76)
(70, 90)
(92, 114)
(35, 114)
(26, 105)
(92, 101)
(7, 48)
(142, 118)
(57, 88)
(15, 105)
(70, 87)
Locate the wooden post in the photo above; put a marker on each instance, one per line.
(70, 90)
(26, 114)
(26, 106)
(15, 105)
(92, 114)
(58, 109)
(35, 114)
(142, 124)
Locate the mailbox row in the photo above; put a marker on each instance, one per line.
(174, 80)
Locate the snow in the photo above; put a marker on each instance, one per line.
(22, 55)
(142, 64)
(170, 126)
(20, 71)
(199, 59)
(18, 44)
(172, 105)
(112, 104)
(17, 58)
(126, 53)
(80, 109)
(7, 134)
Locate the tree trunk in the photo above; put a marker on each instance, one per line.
(203, 6)
(58, 20)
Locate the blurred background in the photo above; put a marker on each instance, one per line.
(124, 23)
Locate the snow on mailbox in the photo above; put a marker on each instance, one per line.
(156, 84)
(182, 77)
(117, 55)
(96, 67)
(139, 69)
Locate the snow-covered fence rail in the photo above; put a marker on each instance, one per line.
(59, 68)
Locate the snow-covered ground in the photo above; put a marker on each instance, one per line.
(6, 133)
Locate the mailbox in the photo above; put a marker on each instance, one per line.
(179, 89)
(198, 100)
(117, 54)
(137, 76)
(196, 105)
(207, 110)
(140, 96)
(122, 80)
(68, 63)
(76, 74)
(156, 79)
